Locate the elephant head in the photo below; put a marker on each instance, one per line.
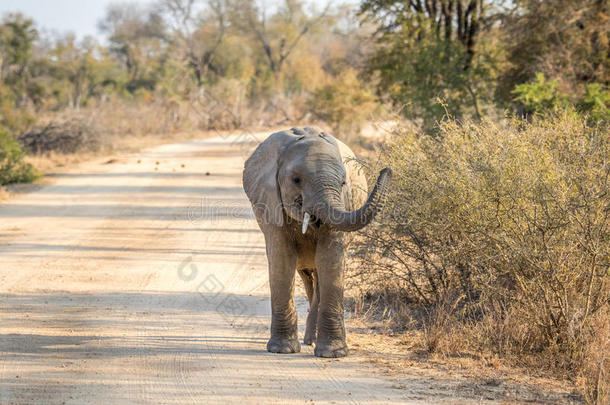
(301, 173)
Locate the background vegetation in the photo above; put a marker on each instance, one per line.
(498, 223)
(222, 64)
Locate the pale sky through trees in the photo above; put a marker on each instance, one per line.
(78, 16)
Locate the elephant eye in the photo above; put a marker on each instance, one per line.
(296, 180)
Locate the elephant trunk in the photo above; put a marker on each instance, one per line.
(348, 221)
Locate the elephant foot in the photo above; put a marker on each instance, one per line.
(309, 338)
(332, 349)
(283, 345)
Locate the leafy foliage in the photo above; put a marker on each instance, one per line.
(567, 40)
(17, 36)
(430, 60)
(540, 95)
(12, 167)
(596, 102)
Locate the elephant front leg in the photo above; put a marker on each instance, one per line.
(282, 262)
(330, 255)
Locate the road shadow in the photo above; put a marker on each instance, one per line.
(123, 190)
(152, 175)
(144, 319)
(206, 209)
(46, 337)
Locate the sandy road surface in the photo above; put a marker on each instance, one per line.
(144, 280)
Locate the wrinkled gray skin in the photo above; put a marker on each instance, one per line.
(307, 171)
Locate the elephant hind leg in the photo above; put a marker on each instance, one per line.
(310, 279)
(308, 282)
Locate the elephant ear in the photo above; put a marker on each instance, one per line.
(260, 178)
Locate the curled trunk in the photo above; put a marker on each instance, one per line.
(348, 221)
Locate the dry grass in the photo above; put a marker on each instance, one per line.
(496, 239)
(114, 144)
(471, 376)
(54, 161)
(4, 193)
(434, 345)
(128, 126)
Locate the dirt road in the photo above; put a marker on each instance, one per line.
(144, 280)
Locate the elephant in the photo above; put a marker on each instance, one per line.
(307, 190)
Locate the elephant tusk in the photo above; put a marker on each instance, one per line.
(305, 222)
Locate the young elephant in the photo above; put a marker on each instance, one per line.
(306, 190)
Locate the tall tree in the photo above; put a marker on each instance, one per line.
(136, 36)
(451, 20)
(199, 29)
(279, 36)
(429, 51)
(77, 68)
(17, 36)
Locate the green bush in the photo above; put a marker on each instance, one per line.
(510, 224)
(596, 102)
(12, 167)
(540, 95)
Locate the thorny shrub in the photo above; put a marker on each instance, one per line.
(513, 224)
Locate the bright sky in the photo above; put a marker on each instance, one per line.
(77, 16)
